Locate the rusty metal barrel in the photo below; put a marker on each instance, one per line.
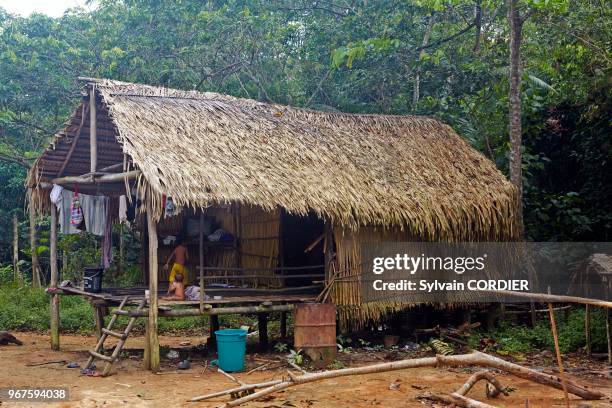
(315, 331)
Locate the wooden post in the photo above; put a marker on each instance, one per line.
(98, 318)
(54, 309)
(121, 250)
(328, 248)
(146, 359)
(262, 326)
(608, 325)
(16, 274)
(283, 325)
(201, 260)
(587, 328)
(36, 282)
(212, 338)
(93, 137)
(152, 335)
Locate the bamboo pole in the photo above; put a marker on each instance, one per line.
(93, 137)
(54, 309)
(543, 297)
(213, 312)
(97, 178)
(153, 276)
(553, 325)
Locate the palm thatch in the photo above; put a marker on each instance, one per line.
(373, 177)
(408, 171)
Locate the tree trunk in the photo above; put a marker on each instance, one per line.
(416, 91)
(478, 24)
(514, 104)
(36, 282)
(16, 274)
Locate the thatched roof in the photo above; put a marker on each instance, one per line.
(207, 148)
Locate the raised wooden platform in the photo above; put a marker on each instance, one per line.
(232, 299)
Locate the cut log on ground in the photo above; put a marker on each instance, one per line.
(455, 399)
(473, 359)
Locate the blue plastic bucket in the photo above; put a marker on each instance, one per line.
(231, 347)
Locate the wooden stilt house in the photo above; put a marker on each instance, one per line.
(298, 192)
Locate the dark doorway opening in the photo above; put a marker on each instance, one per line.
(298, 233)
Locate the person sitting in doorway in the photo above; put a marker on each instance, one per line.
(181, 256)
(176, 289)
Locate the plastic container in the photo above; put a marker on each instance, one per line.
(231, 348)
(92, 280)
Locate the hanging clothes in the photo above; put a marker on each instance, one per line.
(107, 241)
(56, 194)
(94, 212)
(64, 205)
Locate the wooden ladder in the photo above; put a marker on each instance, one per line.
(97, 353)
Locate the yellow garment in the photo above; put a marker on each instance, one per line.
(178, 268)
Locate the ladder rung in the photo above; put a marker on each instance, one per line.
(114, 333)
(121, 312)
(100, 356)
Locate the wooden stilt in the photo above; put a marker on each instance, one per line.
(214, 326)
(201, 260)
(153, 276)
(609, 335)
(54, 309)
(262, 326)
(283, 325)
(587, 328)
(98, 318)
(146, 359)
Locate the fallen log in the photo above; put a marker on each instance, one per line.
(477, 358)
(483, 375)
(473, 359)
(459, 398)
(236, 390)
(455, 399)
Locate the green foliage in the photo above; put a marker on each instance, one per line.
(27, 309)
(281, 347)
(295, 357)
(360, 57)
(518, 340)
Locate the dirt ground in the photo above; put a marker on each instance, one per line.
(131, 386)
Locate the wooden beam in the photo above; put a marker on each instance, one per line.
(54, 309)
(93, 179)
(214, 326)
(543, 297)
(93, 146)
(75, 140)
(153, 276)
